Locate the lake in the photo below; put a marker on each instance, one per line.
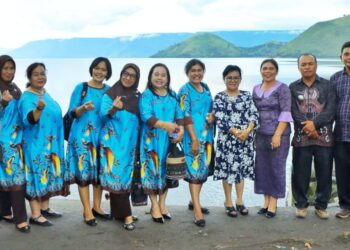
(64, 74)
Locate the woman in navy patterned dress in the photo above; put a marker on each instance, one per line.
(236, 117)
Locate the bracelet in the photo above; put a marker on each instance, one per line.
(40, 108)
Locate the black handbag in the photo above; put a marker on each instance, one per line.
(68, 118)
(138, 196)
(175, 162)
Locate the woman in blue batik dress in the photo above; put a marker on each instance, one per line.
(42, 145)
(236, 117)
(161, 117)
(82, 162)
(12, 177)
(119, 142)
(196, 103)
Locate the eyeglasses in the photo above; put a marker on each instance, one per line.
(126, 74)
(234, 78)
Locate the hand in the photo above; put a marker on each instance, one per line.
(40, 105)
(88, 106)
(6, 96)
(117, 103)
(235, 132)
(309, 126)
(276, 141)
(243, 135)
(313, 135)
(169, 127)
(210, 118)
(195, 147)
(180, 135)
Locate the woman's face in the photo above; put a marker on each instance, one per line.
(195, 74)
(8, 72)
(128, 77)
(38, 77)
(159, 77)
(268, 72)
(100, 72)
(232, 80)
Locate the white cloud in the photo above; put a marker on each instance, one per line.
(23, 21)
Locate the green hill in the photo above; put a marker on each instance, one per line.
(265, 50)
(201, 45)
(323, 39)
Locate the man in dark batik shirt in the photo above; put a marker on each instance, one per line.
(340, 81)
(313, 109)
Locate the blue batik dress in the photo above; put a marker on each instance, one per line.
(82, 150)
(43, 147)
(118, 144)
(155, 141)
(12, 175)
(195, 106)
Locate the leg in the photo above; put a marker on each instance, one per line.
(19, 207)
(323, 170)
(301, 173)
(239, 192)
(5, 205)
(161, 202)
(342, 167)
(85, 200)
(120, 207)
(155, 209)
(272, 207)
(35, 207)
(195, 191)
(228, 194)
(266, 201)
(97, 193)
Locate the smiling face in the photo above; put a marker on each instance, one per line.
(307, 66)
(345, 57)
(268, 72)
(8, 71)
(128, 78)
(99, 73)
(195, 74)
(38, 77)
(232, 80)
(159, 77)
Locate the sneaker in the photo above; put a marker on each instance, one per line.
(343, 214)
(301, 213)
(322, 213)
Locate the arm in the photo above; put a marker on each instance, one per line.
(327, 115)
(220, 113)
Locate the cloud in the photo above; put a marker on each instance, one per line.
(23, 21)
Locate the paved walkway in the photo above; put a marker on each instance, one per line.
(222, 232)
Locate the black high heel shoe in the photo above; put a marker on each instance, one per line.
(199, 223)
(262, 211)
(101, 216)
(158, 220)
(203, 209)
(167, 216)
(91, 222)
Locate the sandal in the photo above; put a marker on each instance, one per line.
(130, 226)
(35, 221)
(50, 213)
(231, 211)
(242, 209)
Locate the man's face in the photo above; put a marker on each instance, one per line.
(307, 66)
(345, 57)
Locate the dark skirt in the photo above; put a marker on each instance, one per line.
(270, 166)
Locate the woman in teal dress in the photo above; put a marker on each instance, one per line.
(12, 177)
(161, 117)
(82, 157)
(119, 140)
(42, 145)
(196, 103)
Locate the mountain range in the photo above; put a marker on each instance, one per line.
(323, 39)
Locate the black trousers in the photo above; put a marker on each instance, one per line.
(342, 169)
(120, 205)
(16, 201)
(301, 173)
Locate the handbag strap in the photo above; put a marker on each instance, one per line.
(83, 92)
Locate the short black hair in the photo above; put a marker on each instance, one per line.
(270, 60)
(192, 63)
(230, 68)
(307, 54)
(345, 45)
(96, 61)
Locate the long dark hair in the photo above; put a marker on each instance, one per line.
(149, 82)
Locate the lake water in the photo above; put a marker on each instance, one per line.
(64, 74)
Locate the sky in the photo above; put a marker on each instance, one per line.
(23, 21)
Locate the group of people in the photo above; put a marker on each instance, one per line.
(118, 132)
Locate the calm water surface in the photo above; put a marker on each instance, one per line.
(64, 74)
